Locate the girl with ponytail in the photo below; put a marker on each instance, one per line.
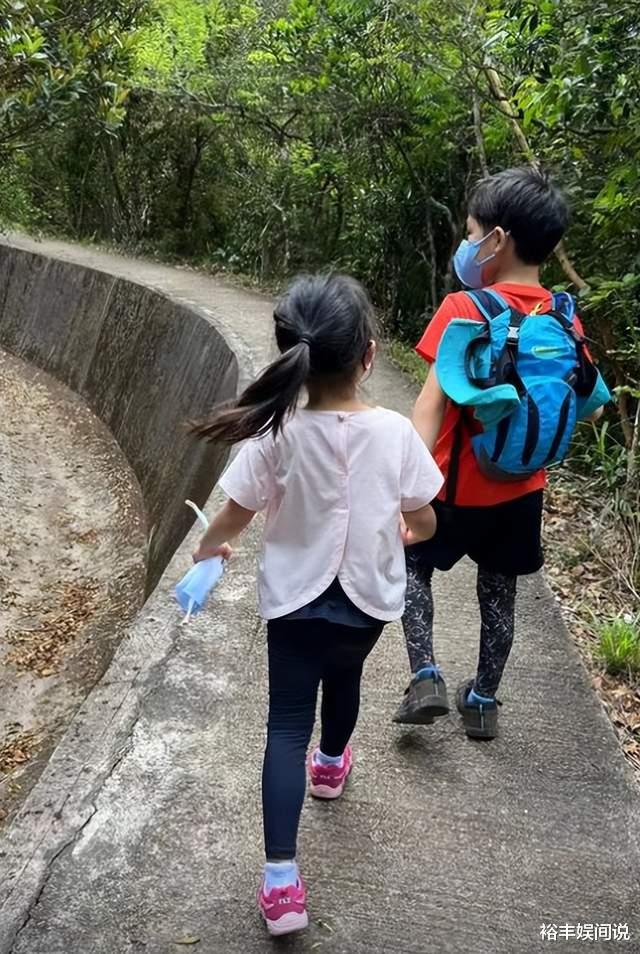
(334, 476)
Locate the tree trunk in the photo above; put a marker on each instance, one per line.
(633, 460)
(121, 202)
(498, 91)
(184, 213)
(567, 267)
(477, 128)
(433, 261)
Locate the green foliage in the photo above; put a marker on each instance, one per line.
(408, 361)
(282, 136)
(16, 201)
(183, 43)
(57, 54)
(619, 645)
(271, 136)
(599, 454)
(574, 71)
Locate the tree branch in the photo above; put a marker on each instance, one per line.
(417, 181)
(633, 460)
(496, 87)
(254, 117)
(477, 128)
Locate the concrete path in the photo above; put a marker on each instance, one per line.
(145, 830)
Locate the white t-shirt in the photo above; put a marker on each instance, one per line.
(333, 485)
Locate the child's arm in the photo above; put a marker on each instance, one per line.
(420, 525)
(228, 523)
(428, 413)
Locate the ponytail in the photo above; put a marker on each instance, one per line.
(265, 404)
(323, 327)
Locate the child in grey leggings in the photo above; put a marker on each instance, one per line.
(504, 541)
(515, 220)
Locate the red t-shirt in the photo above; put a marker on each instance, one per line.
(473, 488)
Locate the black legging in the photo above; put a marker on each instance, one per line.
(496, 596)
(303, 653)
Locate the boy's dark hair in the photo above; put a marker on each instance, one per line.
(524, 202)
(323, 328)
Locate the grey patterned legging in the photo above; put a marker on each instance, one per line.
(497, 598)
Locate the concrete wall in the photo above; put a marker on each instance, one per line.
(142, 362)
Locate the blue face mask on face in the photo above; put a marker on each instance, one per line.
(467, 266)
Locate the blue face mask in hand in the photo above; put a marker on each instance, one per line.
(467, 266)
(194, 588)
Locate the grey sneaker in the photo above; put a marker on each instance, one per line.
(425, 699)
(480, 720)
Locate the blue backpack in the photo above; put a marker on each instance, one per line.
(528, 378)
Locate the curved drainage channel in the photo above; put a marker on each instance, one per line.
(72, 566)
(97, 377)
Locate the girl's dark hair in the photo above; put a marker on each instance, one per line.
(323, 328)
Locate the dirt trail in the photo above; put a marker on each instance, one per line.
(72, 567)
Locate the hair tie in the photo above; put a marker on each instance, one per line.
(305, 339)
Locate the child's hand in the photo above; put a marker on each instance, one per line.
(206, 552)
(419, 525)
(409, 537)
(405, 533)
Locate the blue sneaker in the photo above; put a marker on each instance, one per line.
(480, 719)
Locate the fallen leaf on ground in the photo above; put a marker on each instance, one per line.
(15, 749)
(187, 939)
(40, 648)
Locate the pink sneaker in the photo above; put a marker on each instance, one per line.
(328, 781)
(284, 909)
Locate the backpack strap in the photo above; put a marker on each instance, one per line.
(506, 365)
(488, 302)
(454, 459)
(563, 309)
(490, 305)
(584, 377)
(565, 304)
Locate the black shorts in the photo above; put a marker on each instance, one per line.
(504, 538)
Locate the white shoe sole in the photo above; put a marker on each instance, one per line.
(287, 924)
